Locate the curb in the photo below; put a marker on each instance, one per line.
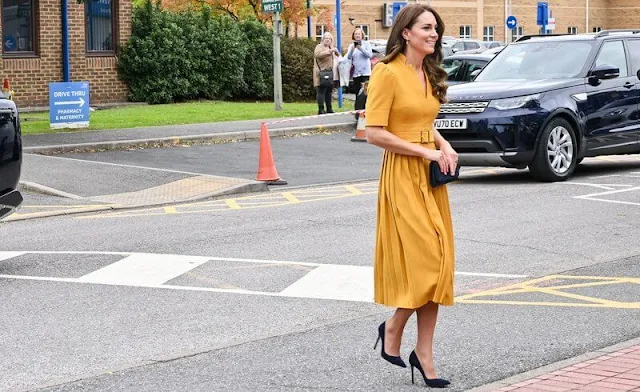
(250, 187)
(45, 190)
(555, 366)
(223, 137)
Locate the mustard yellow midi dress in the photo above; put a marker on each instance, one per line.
(414, 254)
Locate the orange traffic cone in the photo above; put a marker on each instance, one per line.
(6, 88)
(266, 168)
(361, 134)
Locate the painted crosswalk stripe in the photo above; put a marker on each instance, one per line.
(9, 255)
(144, 270)
(339, 282)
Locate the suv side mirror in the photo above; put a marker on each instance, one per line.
(638, 74)
(603, 72)
(475, 73)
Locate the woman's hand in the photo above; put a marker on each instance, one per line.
(439, 157)
(451, 156)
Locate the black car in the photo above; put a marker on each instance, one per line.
(547, 102)
(461, 68)
(10, 157)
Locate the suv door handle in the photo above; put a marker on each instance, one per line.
(629, 85)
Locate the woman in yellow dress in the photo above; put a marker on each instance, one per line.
(414, 256)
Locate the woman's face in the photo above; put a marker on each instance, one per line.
(327, 41)
(423, 36)
(357, 35)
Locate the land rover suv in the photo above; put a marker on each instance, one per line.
(547, 102)
(10, 157)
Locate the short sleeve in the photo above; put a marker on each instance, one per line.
(379, 96)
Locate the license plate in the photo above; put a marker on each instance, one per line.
(451, 123)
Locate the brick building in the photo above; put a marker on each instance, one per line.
(485, 19)
(32, 47)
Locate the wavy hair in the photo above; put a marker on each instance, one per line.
(396, 44)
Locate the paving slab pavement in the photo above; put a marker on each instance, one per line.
(615, 368)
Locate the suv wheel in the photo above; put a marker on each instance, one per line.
(557, 153)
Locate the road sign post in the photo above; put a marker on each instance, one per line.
(69, 105)
(275, 7)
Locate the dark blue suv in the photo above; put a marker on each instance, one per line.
(10, 157)
(547, 102)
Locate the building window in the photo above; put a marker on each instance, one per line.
(487, 34)
(572, 30)
(597, 29)
(465, 31)
(19, 27)
(365, 31)
(320, 30)
(100, 19)
(517, 33)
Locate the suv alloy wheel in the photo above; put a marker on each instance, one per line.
(556, 155)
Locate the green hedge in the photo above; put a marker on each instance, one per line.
(189, 55)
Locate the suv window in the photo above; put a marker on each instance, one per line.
(532, 60)
(612, 53)
(452, 67)
(634, 49)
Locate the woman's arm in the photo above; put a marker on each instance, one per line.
(322, 52)
(382, 138)
(365, 48)
(350, 51)
(449, 153)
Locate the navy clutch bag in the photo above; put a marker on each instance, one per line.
(437, 178)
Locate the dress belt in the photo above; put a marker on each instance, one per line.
(423, 136)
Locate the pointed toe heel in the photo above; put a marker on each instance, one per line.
(389, 358)
(430, 382)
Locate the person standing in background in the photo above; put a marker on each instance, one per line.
(360, 53)
(324, 56)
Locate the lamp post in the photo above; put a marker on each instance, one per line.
(309, 18)
(339, 44)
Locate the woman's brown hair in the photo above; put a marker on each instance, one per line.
(396, 44)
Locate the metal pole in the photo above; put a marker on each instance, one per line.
(277, 74)
(506, 37)
(309, 19)
(66, 72)
(586, 27)
(339, 45)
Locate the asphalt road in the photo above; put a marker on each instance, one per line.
(275, 296)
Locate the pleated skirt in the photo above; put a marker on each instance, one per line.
(414, 255)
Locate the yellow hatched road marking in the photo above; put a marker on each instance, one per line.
(289, 196)
(170, 210)
(532, 287)
(233, 204)
(355, 191)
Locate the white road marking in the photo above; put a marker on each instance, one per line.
(608, 192)
(128, 166)
(144, 270)
(609, 201)
(9, 255)
(325, 281)
(341, 282)
(609, 187)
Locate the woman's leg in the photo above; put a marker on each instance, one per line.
(327, 99)
(394, 327)
(320, 99)
(427, 317)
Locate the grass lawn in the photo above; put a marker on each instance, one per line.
(179, 113)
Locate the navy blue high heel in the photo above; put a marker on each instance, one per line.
(394, 360)
(431, 382)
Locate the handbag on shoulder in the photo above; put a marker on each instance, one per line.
(326, 76)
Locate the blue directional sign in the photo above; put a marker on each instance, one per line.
(542, 14)
(69, 105)
(512, 22)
